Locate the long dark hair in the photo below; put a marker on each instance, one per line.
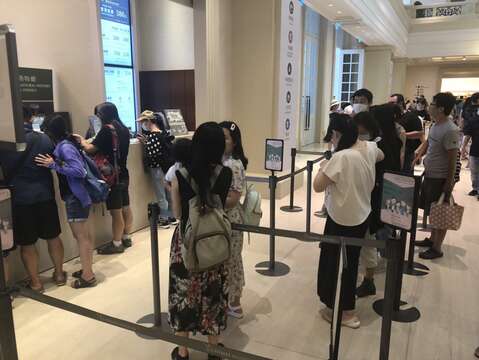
(207, 150)
(390, 142)
(55, 126)
(367, 121)
(343, 124)
(107, 112)
(235, 132)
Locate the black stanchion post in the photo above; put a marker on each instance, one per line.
(273, 268)
(158, 319)
(8, 343)
(291, 207)
(393, 254)
(309, 195)
(153, 213)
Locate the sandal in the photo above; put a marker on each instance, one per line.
(214, 357)
(77, 274)
(40, 290)
(60, 280)
(81, 283)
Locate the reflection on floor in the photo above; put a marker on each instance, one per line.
(282, 319)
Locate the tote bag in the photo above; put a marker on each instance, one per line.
(446, 216)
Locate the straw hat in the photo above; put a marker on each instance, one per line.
(146, 115)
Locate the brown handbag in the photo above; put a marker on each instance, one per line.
(446, 216)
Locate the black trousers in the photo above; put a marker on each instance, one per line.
(328, 265)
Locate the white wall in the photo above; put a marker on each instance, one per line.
(378, 70)
(427, 76)
(165, 35)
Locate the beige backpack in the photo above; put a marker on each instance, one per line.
(207, 234)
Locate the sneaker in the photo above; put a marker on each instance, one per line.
(111, 249)
(367, 288)
(163, 224)
(127, 243)
(235, 312)
(431, 254)
(424, 243)
(321, 214)
(173, 221)
(352, 323)
(473, 193)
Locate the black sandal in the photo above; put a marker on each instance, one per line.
(77, 274)
(175, 355)
(214, 357)
(81, 283)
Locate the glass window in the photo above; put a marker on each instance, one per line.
(346, 68)
(118, 58)
(355, 68)
(355, 58)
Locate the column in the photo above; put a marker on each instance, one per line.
(378, 72)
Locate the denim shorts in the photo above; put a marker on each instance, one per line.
(75, 211)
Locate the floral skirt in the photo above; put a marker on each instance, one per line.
(197, 301)
(235, 267)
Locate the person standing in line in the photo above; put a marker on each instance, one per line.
(182, 157)
(34, 209)
(390, 144)
(414, 131)
(362, 100)
(441, 149)
(69, 164)
(471, 132)
(235, 159)
(349, 179)
(198, 302)
(118, 202)
(159, 160)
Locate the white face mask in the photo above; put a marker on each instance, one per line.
(144, 127)
(358, 108)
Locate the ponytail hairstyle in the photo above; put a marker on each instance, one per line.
(108, 114)
(348, 129)
(235, 132)
(207, 150)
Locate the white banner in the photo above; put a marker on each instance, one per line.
(289, 89)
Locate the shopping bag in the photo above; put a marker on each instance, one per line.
(446, 216)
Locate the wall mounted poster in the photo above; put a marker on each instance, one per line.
(36, 87)
(289, 77)
(274, 155)
(398, 200)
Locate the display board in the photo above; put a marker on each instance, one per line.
(274, 155)
(289, 73)
(176, 122)
(36, 88)
(120, 91)
(11, 117)
(398, 200)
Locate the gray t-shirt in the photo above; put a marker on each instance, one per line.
(442, 138)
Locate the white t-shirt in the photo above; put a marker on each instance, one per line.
(353, 172)
(171, 174)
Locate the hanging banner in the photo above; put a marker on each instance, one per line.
(289, 91)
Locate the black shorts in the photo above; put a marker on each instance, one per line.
(118, 197)
(431, 191)
(35, 221)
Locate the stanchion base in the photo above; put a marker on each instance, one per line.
(417, 269)
(409, 315)
(290, 209)
(280, 269)
(150, 319)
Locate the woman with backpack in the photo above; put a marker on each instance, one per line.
(235, 159)
(158, 159)
(70, 167)
(198, 300)
(110, 149)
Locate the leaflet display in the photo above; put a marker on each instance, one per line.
(176, 122)
(274, 154)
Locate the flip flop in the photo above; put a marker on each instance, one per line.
(60, 281)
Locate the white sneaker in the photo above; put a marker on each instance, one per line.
(235, 312)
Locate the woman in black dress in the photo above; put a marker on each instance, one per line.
(198, 302)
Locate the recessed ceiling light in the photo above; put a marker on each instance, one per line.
(339, 12)
(464, 58)
(330, 5)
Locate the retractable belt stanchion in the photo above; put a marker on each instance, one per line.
(272, 267)
(408, 315)
(291, 207)
(8, 344)
(411, 267)
(309, 199)
(158, 319)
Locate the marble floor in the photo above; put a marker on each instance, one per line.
(282, 320)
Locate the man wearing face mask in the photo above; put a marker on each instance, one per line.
(414, 131)
(362, 100)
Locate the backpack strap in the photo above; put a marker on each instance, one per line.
(115, 143)
(194, 186)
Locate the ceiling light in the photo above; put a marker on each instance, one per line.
(330, 5)
(437, 58)
(464, 58)
(339, 12)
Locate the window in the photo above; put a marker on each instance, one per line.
(118, 58)
(349, 73)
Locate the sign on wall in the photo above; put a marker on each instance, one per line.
(289, 74)
(36, 88)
